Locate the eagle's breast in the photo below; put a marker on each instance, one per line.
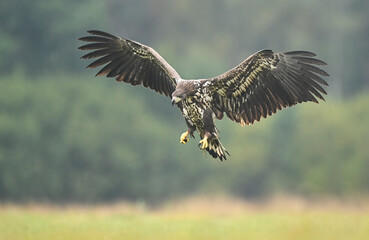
(192, 111)
(194, 106)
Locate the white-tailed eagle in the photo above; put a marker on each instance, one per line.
(262, 84)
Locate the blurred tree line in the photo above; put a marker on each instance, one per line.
(65, 136)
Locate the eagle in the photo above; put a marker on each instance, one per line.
(258, 87)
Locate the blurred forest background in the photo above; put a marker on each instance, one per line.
(66, 136)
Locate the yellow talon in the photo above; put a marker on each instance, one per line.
(204, 143)
(184, 138)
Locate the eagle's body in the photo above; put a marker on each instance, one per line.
(196, 109)
(193, 106)
(262, 84)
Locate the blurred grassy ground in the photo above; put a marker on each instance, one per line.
(193, 219)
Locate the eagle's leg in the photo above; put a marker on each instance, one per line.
(209, 128)
(184, 137)
(204, 142)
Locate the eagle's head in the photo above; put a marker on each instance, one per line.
(183, 90)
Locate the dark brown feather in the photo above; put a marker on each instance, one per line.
(97, 53)
(93, 39)
(93, 46)
(129, 61)
(309, 60)
(301, 53)
(101, 33)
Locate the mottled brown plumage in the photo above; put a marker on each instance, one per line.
(267, 82)
(262, 84)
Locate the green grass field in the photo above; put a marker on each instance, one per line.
(195, 219)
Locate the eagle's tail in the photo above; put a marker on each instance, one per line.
(216, 149)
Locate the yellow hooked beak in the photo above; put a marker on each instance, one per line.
(175, 100)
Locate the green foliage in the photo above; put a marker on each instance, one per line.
(70, 138)
(41, 35)
(313, 150)
(88, 141)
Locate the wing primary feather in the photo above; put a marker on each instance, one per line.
(100, 61)
(310, 79)
(105, 70)
(97, 53)
(94, 39)
(301, 53)
(292, 82)
(314, 84)
(101, 33)
(298, 70)
(93, 46)
(309, 60)
(115, 65)
(126, 73)
(313, 89)
(132, 74)
(304, 87)
(111, 67)
(314, 77)
(125, 64)
(314, 69)
(280, 92)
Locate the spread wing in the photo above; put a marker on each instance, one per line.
(130, 62)
(266, 82)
